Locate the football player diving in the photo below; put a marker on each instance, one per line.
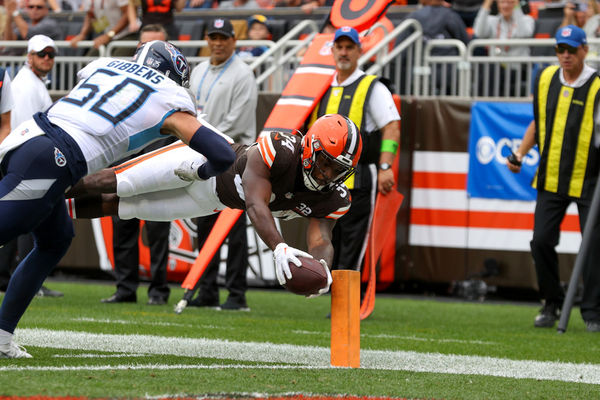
(281, 175)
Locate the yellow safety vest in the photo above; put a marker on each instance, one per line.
(565, 135)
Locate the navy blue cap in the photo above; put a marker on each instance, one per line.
(571, 35)
(346, 31)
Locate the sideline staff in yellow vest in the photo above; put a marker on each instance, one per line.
(369, 104)
(568, 135)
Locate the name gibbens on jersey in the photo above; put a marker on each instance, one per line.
(289, 197)
(118, 108)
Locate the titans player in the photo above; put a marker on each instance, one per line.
(118, 108)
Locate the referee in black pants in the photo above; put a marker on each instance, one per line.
(566, 101)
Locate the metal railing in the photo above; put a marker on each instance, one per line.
(413, 65)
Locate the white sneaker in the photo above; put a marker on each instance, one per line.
(13, 350)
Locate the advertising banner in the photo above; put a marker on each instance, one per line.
(496, 129)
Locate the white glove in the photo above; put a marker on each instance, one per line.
(283, 255)
(188, 171)
(329, 280)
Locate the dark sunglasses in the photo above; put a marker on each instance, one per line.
(562, 49)
(38, 7)
(43, 53)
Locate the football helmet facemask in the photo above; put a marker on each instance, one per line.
(166, 58)
(330, 152)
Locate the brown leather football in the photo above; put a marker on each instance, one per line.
(308, 278)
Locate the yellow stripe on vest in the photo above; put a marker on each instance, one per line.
(583, 142)
(556, 140)
(358, 100)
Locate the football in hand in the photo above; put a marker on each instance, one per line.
(308, 278)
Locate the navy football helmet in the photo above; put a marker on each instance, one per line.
(166, 58)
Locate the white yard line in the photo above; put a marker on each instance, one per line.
(386, 336)
(301, 356)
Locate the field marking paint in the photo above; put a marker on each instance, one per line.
(130, 322)
(310, 356)
(386, 336)
(93, 355)
(155, 367)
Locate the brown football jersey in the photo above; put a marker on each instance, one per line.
(289, 198)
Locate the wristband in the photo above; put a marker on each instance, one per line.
(390, 146)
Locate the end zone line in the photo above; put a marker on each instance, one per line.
(311, 355)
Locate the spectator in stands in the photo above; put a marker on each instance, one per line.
(257, 30)
(369, 104)
(575, 13)
(109, 19)
(30, 96)
(155, 13)
(510, 23)
(126, 232)
(467, 10)
(238, 4)
(191, 4)
(307, 6)
(18, 28)
(227, 93)
(439, 22)
(592, 28)
(565, 129)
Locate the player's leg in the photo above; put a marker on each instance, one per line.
(154, 171)
(194, 200)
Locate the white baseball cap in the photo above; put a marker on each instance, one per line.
(39, 43)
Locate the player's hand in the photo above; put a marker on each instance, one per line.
(329, 280)
(283, 255)
(188, 171)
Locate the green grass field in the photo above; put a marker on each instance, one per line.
(410, 348)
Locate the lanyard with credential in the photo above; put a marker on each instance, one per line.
(213, 82)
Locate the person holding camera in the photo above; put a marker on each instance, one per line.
(566, 109)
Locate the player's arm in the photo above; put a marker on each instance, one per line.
(318, 238)
(514, 161)
(204, 140)
(257, 192)
(390, 137)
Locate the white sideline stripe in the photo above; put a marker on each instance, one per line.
(386, 336)
(126, 322)
(309, 356)
(92, 355)
(157, 366)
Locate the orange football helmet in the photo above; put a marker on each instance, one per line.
(331, 149)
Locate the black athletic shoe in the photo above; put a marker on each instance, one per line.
(547, 317)
(157, 301)
(45, 292)
(198, 302)
(592, 326)
(117, 298)
(232, 305)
